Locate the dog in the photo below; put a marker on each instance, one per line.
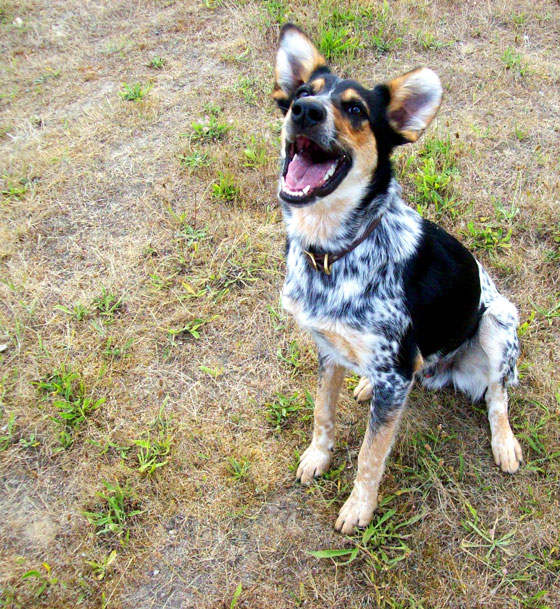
(383, 291)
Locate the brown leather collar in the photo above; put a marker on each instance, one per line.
(323, 262)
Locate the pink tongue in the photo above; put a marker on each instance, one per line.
(303, 172)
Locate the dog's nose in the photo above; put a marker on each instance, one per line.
(307, 113)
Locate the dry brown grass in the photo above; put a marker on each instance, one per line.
(88, 183)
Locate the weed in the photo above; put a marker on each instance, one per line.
(155, 445)
(277, 11)
(520, 134)
(31, 442)
(526, 325)
(551, 256)
(279, 411)
(502, 212)
(291, 355)
(489, 237)
(113, 351)
(428, 41)
(45, 77)
(550, 313)
(481, 536)
(433, 188)
(210, 131)
(277, 318)
(236, 596)
(238, 469)
(134, 92)
(100, 568)
(117, 513)
(191, 328)
(121, 450)
(337, 43)
(225, 189)
(533, 432)
(519, 19)
(248, 85)
(213, 109)
(160, 283)
(156, 63)
(512, 61)
(45, 579)
(193, 236)
(435, 169)
(213, 372)
(382, 34)
(195, 160)
(71, 401)
(15, 188)
(8, 438)
(256, 154)
(382, 544)
(107, 304)
(533, 602)
(78, 312)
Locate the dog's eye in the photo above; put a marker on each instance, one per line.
(302, 93)
(355, 110)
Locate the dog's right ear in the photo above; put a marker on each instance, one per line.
(296, 60)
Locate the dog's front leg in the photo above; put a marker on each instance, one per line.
(389, 397)
(317, 458)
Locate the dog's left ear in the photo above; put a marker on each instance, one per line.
(415, 98)
(296, 60)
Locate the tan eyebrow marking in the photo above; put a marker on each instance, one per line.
(318, 84)
(351, 95)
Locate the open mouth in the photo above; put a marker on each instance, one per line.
(310, 171)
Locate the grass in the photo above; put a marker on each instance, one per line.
(256, 154)
(512, 61)
(107, 304)
(14, 188)
(225, 188)
(154, 446)
(382, 544)
(433, 171)
(282, 408)
(122, 258)
(116, 512)
(135, 92)
(195, 160)
(210, 131)
(156, 63)
(238, 468)
(72, 404)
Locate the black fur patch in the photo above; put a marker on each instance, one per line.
(442, 289)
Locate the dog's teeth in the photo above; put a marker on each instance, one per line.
(329, 173)
(306, 189)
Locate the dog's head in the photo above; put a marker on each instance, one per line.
(336, 132)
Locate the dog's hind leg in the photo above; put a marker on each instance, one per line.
(316, 460)
(389, 397)
(498, 339)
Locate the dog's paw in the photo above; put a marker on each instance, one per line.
(356, 512)
(364, 390)
(314, 462)
(507, 452)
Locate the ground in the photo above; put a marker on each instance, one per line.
(154, 398)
